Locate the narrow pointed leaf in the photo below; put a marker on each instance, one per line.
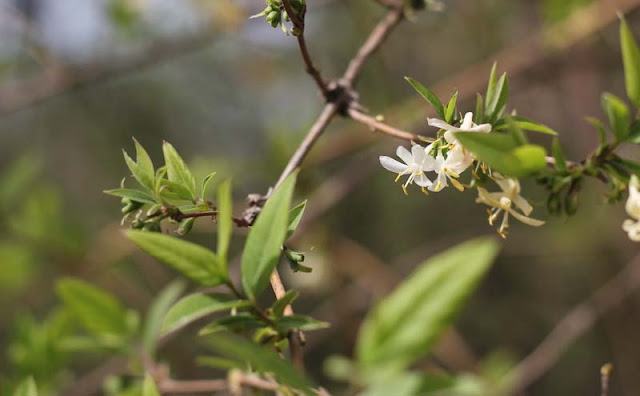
(197, 306)
(497, 102)
(558, 156)
(631, 62)
(149, 387)
(142, 169)
(295, 216)
(134, 195)
(618, 116)
(205, 184)
(177, 169)
(193, 261)
(450, 112)
(280, 304)
(405, 325)
(428, 95)
(264, 243)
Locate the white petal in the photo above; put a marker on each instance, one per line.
(522, 204)
(440, 183)
(423, 181)
(525, 219)
(450, 137)
(404, 155)
(417, 151)
(392, 165)
(467, 123)
(429, 163)
(484, 128)
(434, 122)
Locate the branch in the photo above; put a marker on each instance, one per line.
(577, 322)
(382, 127)
(377, 37)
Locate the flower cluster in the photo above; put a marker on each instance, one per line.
(632, 226)
(447, 158)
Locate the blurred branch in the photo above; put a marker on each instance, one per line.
(61, 79)
(577, 322)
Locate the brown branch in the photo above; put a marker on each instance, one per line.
(577, 322)
(377, 37)
(376, 125)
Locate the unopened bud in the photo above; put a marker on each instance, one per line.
(554, 204)
(153, 226)
(273, 18)
(296, 31)
(185, 226)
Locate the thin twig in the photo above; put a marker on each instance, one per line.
(377, 37)
(382, 127)
(577, 322)
(171, 386)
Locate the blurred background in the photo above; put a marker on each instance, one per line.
(80, 78)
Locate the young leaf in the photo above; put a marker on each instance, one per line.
(558, 156)
(295, 216)
(26, 388)
(478, 116)
(157, 312)
(177, 169)
(134, 195)
(450, 112)
(280, 304)
(225, 222)
(149, 387)
(496, 103)
(264, 243)
(300, 322)
(197, 306)
(618, 115)
(263, 360)
(243, 321)
(100, 313)
(596, 123)
(527, 125)
(634, 132)
(428, 95)
(193, 261)
(174, 190)
(142, 169)
(205, 184)
(491, 85)
(631, 61)
(404, 326)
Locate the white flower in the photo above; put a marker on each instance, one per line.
(504, 202)
(467, 126)
(632, 227)
(445, 168)
(416, 163)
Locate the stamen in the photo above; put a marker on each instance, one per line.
(425, 191)
(437, 187)
(404, 189)
(451, 173)
(457, 184)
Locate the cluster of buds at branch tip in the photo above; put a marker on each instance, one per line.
(276, 15)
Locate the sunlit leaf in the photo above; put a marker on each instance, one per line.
(149, 387)
(134, 195)
(428, 95)
(631, 61)
(177, 169)
(618, 115)
(26, 388)
(225, 221)
(193, 261)
(295, 216)
(264, 242)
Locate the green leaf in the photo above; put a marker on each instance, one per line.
(527, 125)
(450, 112)
(157, 312)
(404, 326)
(634, 132)
(134, 195)
(618, 115)
(218, 363)
(596, 123)
(193, 261)
(496, 103)
(279, 305)
(177, 169)
(501, 152)
(428, 95)
(205, 184)
(491, 85)
(299, 322)
(558, 155)
(263, 360)
(174, 190)
(99, 312)
(142, 168)
(631, 61)
(26, 388)
(632, 166)
(479, 114)
(264, 243)
(225, 221)
(195, 307)
(149, 387)
(295, 216)
(243, 321)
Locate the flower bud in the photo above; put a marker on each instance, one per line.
(153, 226)
(137, 225)
(296, 31)
(572, 199)
(554, 204)
(185, 226)
(131, 206)
(273, 18)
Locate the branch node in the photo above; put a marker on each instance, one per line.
(342, 96)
